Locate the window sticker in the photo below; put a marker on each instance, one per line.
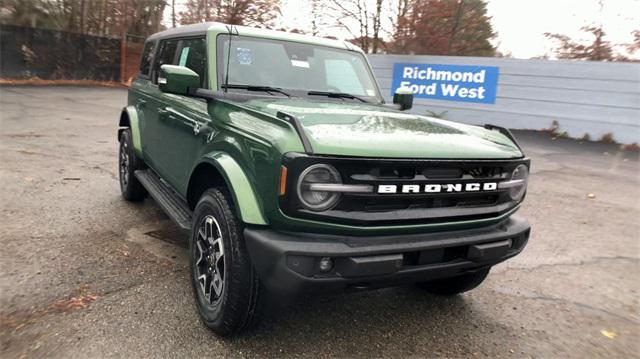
(243, 55)
(371, 93)
(299, 63)
(183, 56)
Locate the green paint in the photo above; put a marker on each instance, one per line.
(354, 129)
(135, 131)
(246, 142)
(248, 204)
(177, 79)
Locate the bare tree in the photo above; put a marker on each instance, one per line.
(317, 16)
(361, 18)
(598, 50)
(236, 12)
(634, 46)
(173, 13)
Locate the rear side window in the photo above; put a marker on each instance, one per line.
(147, 56)
(166, 55)
(193, 55)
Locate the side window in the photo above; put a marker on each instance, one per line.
(342, 76)
(166, 55)
(194, 56)
(147, 56)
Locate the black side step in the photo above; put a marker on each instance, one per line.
(175, 207)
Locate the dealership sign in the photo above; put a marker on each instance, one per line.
(447, 82)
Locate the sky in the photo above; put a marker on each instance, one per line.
(520, 24)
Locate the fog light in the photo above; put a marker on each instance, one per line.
(326, 264)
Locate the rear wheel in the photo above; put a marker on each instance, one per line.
(128, 163)
(226, 288)
(457, 284)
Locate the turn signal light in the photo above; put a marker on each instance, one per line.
(283, 180)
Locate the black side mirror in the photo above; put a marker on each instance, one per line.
(404, 98)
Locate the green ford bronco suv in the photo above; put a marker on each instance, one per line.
(279, 156)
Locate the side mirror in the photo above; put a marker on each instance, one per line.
(404, 98)
(177, 79)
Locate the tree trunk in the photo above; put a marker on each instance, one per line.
(173, 13)
(376, 26)
(456, 24)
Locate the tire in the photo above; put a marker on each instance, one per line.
(455, 285)
(226, 288)
(128, 163)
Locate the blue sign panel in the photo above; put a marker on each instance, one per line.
(447, 82)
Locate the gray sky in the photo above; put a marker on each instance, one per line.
(520, 24)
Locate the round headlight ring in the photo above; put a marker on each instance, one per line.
(520, 173)
(323, 200)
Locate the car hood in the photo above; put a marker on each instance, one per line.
(366, 130)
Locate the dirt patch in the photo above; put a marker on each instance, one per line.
(10, 322)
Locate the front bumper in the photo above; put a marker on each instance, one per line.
(290, 262)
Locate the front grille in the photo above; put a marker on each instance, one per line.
(383, 203)
(404, 208)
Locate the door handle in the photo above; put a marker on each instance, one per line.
(142, 103)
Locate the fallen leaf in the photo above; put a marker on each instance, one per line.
(608, 334)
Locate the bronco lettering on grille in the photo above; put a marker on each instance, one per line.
(438, 188)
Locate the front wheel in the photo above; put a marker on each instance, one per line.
(128, 163)
(226, 288)
(455, 285)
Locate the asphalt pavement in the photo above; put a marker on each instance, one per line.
(85, 274)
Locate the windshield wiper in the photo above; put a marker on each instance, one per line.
(256, 88)
(336, 95)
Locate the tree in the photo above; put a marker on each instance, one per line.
(361, 18)
(597, 50)
(443, 27)
(259, 13)
(95, 17)
(317, 17)
(634, 46)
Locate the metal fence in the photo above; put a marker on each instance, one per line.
(591, 98)
(48, 54)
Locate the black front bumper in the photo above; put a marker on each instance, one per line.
(290, 262)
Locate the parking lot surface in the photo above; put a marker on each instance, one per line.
(86, 274)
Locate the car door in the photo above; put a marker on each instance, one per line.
(196, 126)
(158, 145)
(183, 121)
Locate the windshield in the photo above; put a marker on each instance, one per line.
(295, 68)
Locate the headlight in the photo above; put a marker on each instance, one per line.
(519, 179)
(313, 199)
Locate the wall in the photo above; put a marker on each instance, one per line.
(583, 97)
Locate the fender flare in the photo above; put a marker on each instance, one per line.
(244, 196)
(133, 123)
